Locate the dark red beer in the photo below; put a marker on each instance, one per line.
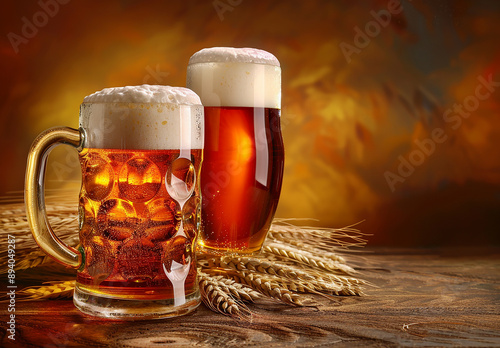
(241, 177)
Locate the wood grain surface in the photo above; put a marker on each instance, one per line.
(419, 298)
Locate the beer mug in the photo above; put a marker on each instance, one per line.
(140, 150)
(242, 172)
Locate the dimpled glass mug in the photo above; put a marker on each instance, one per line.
(140, 151)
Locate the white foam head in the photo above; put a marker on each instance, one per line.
(145, 94)
(241, 77)
(143, 118)
(233, 55)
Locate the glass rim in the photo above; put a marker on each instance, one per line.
(142, 104)
(242, 63)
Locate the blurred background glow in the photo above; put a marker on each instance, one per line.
(348, 117)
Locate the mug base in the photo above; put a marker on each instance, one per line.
(127, 309)
(234, 252)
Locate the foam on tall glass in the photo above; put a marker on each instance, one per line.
(142, 118)
(242, 77)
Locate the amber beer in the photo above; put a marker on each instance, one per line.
(130, 223)
(140, 151)
(243, 155)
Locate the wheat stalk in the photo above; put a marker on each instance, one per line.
(324, 238)
(266, 285)
(13, 221)
(289, 284)
(239, 291)
(55, 290)
(275, 236)
(307, 258)
(217, 296)
(30, 259)
(297, 279)
(254, 264)
(64, 227)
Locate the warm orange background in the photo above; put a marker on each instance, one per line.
(344, 124)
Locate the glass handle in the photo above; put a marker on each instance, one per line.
(35, 198)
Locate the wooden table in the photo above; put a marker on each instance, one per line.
(421, 298)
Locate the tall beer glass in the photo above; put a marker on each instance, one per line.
(140, 151)
(241, 177)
